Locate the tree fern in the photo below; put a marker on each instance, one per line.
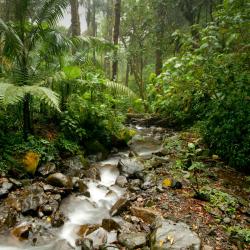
(119, 89)
(11, 94)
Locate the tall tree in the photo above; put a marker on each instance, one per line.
(75, 19)
(116, 38)
(20, 40)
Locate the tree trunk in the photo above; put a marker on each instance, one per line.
(116, 38)
(158, 61)
(26, 117)
(75, 19)
(127, 74)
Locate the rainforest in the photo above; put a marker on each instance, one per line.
(124, 124)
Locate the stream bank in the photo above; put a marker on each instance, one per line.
(120, 203)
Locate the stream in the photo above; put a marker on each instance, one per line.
(104, 193)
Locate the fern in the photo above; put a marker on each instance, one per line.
(119, 89)
(11, 94)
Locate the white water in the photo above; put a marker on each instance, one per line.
(80, 210)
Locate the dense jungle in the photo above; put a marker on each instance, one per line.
(124, 124)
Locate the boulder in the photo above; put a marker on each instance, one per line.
(121, 181)
(32, 198)
(110, 225)
(57, 219)
(129, 167)
(120, 206)
(47, 169)
(60, 180)
(146, 214)
(170, 235)
(21, 232)
(99, 237)
(132, 240)
(5, 187)
(8, 217)
(74, 166)
(85, 244)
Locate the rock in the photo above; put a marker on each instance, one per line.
(226, 220)
(146, 214)
(149, 181)
(50, 208)
(60, 180)
(5, 188)
(109, 247)
(47, 168)
(145, 146)
(57, 219)
(121, 181)
(48, 188)
(32, 199)
(15, 182)
(86, 244)
(8, 217)
(173, 235)
(134, 185)
(74, 166)
(22, 231)
(132, 240)
(206, 247)
(120, 206)
(110, 224)
(128, 167)
(99, 237)
(93, 173)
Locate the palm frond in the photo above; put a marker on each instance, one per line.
(10, 94)
(119, 89)
(51, 12)
(99, 44)
(12, 43)
(47, 95)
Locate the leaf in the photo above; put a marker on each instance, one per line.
(72, 72)
(170, 239)
(30, 161)
(191, 145)
(167, 183)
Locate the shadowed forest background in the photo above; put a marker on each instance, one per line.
(182, 65)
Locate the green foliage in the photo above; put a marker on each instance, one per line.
(209, 81)
(224, 201)
(240, 233)
(65, 146)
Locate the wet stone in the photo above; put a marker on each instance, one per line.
(85, 244)
(183, 237)
(146, 214)
(110, 224)
(132, 240)
(120, 206)
(32, 199)
(57, 219)
(60, 180)
(129, 167)
(5, 187)
(22, 231)
(121, 181)
(47, 169)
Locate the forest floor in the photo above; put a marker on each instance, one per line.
(221, 217)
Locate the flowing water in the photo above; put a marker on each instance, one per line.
(81, 210)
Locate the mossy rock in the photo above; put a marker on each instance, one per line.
(95, 147)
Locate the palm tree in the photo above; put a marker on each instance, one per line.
(20, 41)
